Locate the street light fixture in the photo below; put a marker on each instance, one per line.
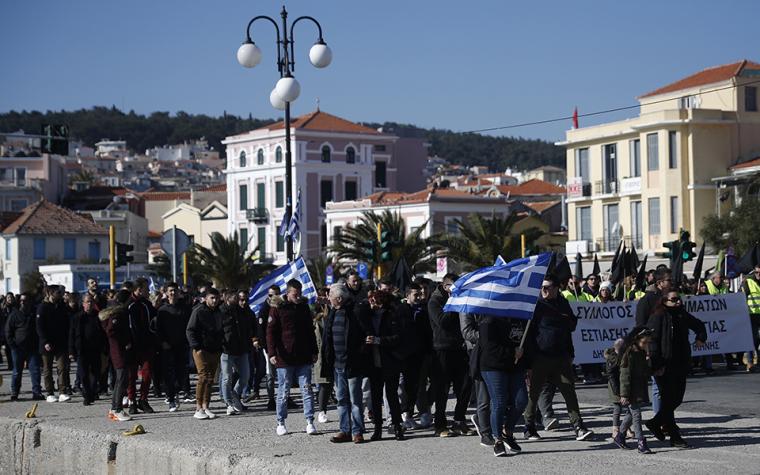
(287, 88)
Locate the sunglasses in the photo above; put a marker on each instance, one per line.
(675, 299)
(547, 287)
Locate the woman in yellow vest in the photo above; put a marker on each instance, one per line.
(751, 288)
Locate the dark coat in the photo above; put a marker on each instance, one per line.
(670, 342)
(53, 327)
(498, 340)
(389, 333)
(290, 333)
(357, 359)
(646, 305)
(634, 376)
(204, 329)
(141, 314)
(262, 320)
(551, 329)
(612, 363)
(21, 330)
(416, 333)
(115, 322)
(171, 324)
(238, 330)
(445, 325)
(86, 336)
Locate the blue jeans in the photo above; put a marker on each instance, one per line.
(509, 396)
(350, 403)
(655, 396)
(285, 378)
(230, 363)
(19, 357)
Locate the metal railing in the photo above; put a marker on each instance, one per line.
(606, 187)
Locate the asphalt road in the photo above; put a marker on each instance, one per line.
(719, 418)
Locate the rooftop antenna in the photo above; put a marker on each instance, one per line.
(317, 104)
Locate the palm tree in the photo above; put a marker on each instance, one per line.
(482, 239)
(226, 263)
(355, 242)
(84, 175)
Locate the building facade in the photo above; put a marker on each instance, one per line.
(644, 179)
(27, 179)
(333, 160)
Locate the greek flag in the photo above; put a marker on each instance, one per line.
(294, 229)
(152, 287)
(509, 290)
(285, 224)
(280, 277)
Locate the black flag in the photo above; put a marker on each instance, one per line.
(597, 270)
(578, 266)
(559, 266)
(641, 277)
(401, 275)
(698, 265)
(749, 260)
(618, 265)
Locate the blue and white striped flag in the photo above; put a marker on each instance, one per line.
(500, 261)
(294, 229)
(280, 277)
(285, 224)
(152, 287)
(509, 290)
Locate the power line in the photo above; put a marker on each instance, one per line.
(606, 111)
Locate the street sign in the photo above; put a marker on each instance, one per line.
(174, 242)
(362, 269)
(329, 275)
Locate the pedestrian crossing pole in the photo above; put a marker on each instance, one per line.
(112, 255)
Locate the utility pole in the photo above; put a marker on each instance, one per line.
(379, 264)
(522, 245)
(112, 255)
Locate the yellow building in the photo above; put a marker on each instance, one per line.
(643, 179)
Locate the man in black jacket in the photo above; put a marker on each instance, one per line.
(450, 362)
(416, 345)
(205, 336)
(238, 333)
(550, 342)
(21, 336)
(344, 358)
(141, 314)
(53, 332)
(87, 343)
(267, 369)
(171, 324)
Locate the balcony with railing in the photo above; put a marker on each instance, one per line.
(577, 188)
(606, 187)
(257, 215)
(630, 186)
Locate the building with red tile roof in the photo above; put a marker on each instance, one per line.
(712, 75)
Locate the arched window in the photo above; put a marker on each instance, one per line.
(278, 154)
(350, 155)
(260, 157)
(325, 154)
(242, 158)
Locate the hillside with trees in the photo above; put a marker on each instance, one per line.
(161, 128)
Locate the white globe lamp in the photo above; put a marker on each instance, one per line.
(276, 101)
(288, 89)
(248, 55)
(320, 55)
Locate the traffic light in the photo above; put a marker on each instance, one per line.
(368, 250)
(385, 246)
(674, 251)
(55, 139)
(687, 247)
(122, 254)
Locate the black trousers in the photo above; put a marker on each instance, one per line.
(450, 368)
(174, 365)
(387, 378)
(88, 368)
(121, 377)
(672, 385)
(410, 368)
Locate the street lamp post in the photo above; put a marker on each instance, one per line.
(287, 88)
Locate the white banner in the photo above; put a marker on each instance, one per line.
(725, 316)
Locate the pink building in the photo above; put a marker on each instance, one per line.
(25, 180)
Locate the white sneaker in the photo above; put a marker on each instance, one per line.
(188, 400)
(123, 416)
(51, 398)
(281, 430)
(409, 422)
(310, 429)
(209, 414)
(125, 401)
(200, 414)
(231, 411)
(63, 397)
(322, 417)
(173, 407)
(166, 401)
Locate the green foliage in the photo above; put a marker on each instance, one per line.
(482, 239)
(317, 267)
(418, 251)
(738, 228)
(226, 263)
(160, 128)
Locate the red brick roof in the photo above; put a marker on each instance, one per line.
(428, 194)
(216, 188)
(324, 122)
(540, 206)
(165, 195)
(45, 218)
(532, 187)
(707, 76)
(755, 162)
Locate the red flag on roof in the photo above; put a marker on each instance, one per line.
(575, 118)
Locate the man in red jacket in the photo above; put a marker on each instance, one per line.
(292, 348)
(115, 322)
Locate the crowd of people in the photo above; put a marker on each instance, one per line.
(370, 349)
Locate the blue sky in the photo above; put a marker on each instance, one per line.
(447, 64)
